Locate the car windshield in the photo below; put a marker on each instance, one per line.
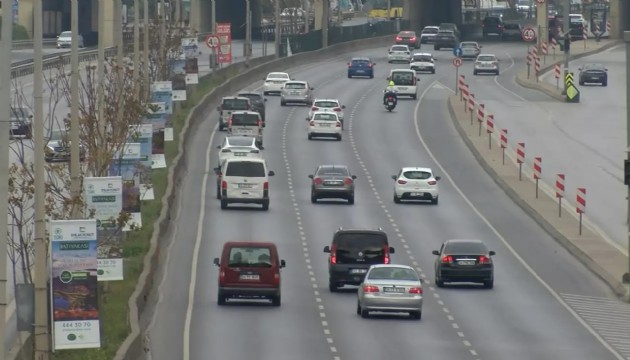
(400, 48)
(597, 67)
(465, 247)
(325, 117)
(255, 98)
(66, 34)
(417, 175)
(295, 86)
(361, 248)
(238, 141)
(250, 257)
(333, 171)
(430, 31)
(445, 33)
(278, 76)
(326, 104)
(486, 58)
(58, 135)
(468, 45)
(403, 78)
(235, 104)
(245, 169)
(407, 34)
(422, 58)
(242, 119)
(392, 273)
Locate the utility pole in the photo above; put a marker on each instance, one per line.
(626, 38)
(325, 22)
(120, 54)
(42, 345)
(278, 32)
(213, 19)
(178, 13)
(136, 47)
(307, 18)
(389, 9)
(75, 161)
(248, 31)
(147, 64)
(100, 72)
(162, 19)
(6, 43)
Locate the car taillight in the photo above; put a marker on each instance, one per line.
(484, 260)
(398, 38)
(386, 260)
(370, 289)
(337, 109)
(349, 65)
(314, 108)
(412, 39)
(333, 254)
(402, 182)
(224, 185)
(348, 181)
(259, 123)
(338, 124)
(432, 182)
(318, 181)
(415, 290)
(448, 259)
(266, 185)
(369, 65)
(312, 123)
(276, 279)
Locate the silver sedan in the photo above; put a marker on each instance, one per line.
(392, 289)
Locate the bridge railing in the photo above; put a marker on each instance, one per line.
(28, 44)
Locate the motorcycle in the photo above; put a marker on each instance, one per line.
(390, 102)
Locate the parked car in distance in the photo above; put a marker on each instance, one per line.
(593, 73)
(512, 31)
(257, 102)
(390, 289)
(427, 36)
(352, 252)
(249, 270)
(58, 147)
(64, 40)
(408, 38)
(21, 122)
(361, 67)
(464, 260)
(332, 182)
(492, 25)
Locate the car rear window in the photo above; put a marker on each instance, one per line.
(245, 169)
(360, 62)
(393, 273)
(361, 248)
(325, 117)
(423, 58)
(295, 86)
(403, 78)
(486, 58)
(240, 141)
(277, 76)
(252, 97)
(326, 104)
(235, 104)
(407, 33)
(250, 257)
(340, 171)
(465, 247)
(417, 175)
(245, 119)
(430, 31)
(400, 48)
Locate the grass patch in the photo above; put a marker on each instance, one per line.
(114, 307)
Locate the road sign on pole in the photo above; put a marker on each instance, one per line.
(528, 34)
(457, 52)
(457, 62)
(212, 41)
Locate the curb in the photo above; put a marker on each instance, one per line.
(552, 91)
(615, 285)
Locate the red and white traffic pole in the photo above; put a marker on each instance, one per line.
(537, 171)
(465, 93)
(556, 74)
(585, 37)
(554, 45)
(504, 143)
(490, 129)
(559, 192)
(460, 85)
(581, 205)
(520, 159)
(471, 106)
(529, 63)
(537, 68)
(481, 115)
(544, 51)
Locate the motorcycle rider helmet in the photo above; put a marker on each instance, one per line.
(391, 83)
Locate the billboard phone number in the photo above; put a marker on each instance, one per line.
(77, 325)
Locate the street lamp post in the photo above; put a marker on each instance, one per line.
(626, 38)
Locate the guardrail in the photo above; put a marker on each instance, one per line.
(28, 44)
(51, 61)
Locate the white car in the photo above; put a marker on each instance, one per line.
(428, 34)
(244, 181)
(238, 147)
(64, 40)
(399, 53)
(422, 62)
(486, 63)
(274, 82)
(416, 183)
(324, 124)
(329, 105)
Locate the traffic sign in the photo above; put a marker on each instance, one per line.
(212, 41)
(528, 34)
(457, 52)
(457, 62)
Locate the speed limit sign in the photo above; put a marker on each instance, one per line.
(457, 62)
(212, 41)
(529, 34)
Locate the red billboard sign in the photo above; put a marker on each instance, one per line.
(224, 32)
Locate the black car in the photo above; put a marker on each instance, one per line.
(352, 253)
(445, 39)
(257, 101)
(332, 182)
(21, 122)
(512, 31)
(408, 38)
(492, 25)
(593, 73)
(451, 27)
(467, 261)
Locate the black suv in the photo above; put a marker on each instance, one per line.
(352, 253)
(493, 25)
(257, 101)
(445, 39)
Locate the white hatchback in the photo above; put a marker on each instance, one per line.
(416, 183)
(324, 124)
(328, 105)
(422, 62)
(274, 82)
(399, 53)
(238, 147)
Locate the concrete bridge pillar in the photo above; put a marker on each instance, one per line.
(542, 25)
(108, 38)
(617, 19)
(195, 14)
(412, 11)
(318, 13)
(25, 15)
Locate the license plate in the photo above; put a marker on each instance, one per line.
(324, 125)
(466, 262)
(394, 290)
(360, 71)
(240, 154)
(250, 277)
(358, 271)
(295, 93)
(402, 88)
(244, 186)
(417, 194)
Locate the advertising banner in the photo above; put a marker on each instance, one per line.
(190, 47)
(110, 255)
(126, 164)
(178, 79)
(74, 284)
(104, 199)
(162, 92)
(143, 134)
(192, 71)
(224, 32)
(158, 161)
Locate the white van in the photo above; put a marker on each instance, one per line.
(405, 82)
(245, 181)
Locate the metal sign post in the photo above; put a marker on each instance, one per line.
(457, 62)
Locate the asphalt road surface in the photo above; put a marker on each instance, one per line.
(528, 315)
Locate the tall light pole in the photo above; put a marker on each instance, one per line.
(626, 38)
(307, 18)
(75, 164)
(42, 345)
(213, 18)
(162, 19)
(147, 59)
(566, 23)
(120, 54)
(6, 43)
(136, 46)
(325, 22)
(248, 31)
(100, 72)
(278, 31)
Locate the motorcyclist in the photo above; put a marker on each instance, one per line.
(390, 92)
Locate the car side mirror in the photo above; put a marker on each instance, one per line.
(216, 262)
(392, 250)
(218, 146)
(265, 99)
(327, 249)
(354, 177)
(435, 252)
(283, 263)
(307, 118)
(343, 106)
(421, 281)
(348, 64)
(218, 108)
(492, 253)
(417, 79)
(312, 88)
(438, 178)
(310, 176)
(271, 173)
(394, 177)
(217, 170)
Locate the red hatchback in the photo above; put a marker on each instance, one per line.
(249, 270)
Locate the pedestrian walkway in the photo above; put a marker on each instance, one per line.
(609, 318)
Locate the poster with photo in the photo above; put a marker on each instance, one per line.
(192, 71)
(190, 47)
(110, 255)
(127, 164)
(143, 134)
(178, 79)
(162, 92)
(158, 160)
(104, 199)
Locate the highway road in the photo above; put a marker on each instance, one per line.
(585, 141)
(527, 316)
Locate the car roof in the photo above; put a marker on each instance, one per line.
(425, 169)
(244, 112)
(486, 55)
(361, 231)
(230, 244)
(431, 27)
(332, 166)
(324, 112)
(407, 32)
(593, 66)
(402, 70)
(362, 58)
(399, 45)
(469, 42)
(278, 73)
(249, 93)
(464, 241)
(392, 266)
(248, 159)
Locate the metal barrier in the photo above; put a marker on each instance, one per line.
(28, 44)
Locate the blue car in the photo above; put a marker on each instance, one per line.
(361, 66)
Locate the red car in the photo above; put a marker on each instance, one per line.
(408, 38)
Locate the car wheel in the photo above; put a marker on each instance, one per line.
(396, 199)
(474, 72)
(265, 92)
(351, 199)
(218, 190)
(434, 201)
(358, 307)
(414, 96)
(310, 137)
(436, 48)
(496, 73)
(276, 300)
(389, 61)
(488, 284)
(265, 205)
(349, 76)
(433, 71)
(439, 282)
(338, 137)
(313, 199)
(416, 315)
(224, 204)
(364, 313)
(332, 286)
(283, 103)
(220, 299)
(220, 126)
(372, 76)
(605, 83)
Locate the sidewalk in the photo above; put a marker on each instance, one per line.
(601, 257)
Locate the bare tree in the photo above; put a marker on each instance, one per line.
(167, 48)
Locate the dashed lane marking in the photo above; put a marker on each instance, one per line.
(395, 226)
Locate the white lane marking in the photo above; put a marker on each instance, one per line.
(195, 258)
(498, 234)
